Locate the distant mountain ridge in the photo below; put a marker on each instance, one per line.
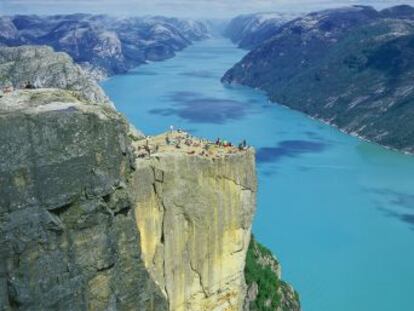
(250, 30)
(350, 67)
(104, 44)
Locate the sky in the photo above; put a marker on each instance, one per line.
(180, 8)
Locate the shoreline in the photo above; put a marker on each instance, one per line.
(326, 122)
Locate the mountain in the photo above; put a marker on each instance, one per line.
(95, 217)
(250, 30)
(351, 67)
(103, 44)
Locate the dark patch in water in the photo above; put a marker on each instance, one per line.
(406, 218)
(304, 168)
(198, 74)
(268, 173)
(288, 149)
(140, 73)
(184, 96)
(313, 135)
(165, 112)
(196, 108)
(396, 204)
(404, 200)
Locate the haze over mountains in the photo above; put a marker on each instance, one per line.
(200, 9)
(249, 30)
(103, 44)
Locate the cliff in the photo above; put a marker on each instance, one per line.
(194, 212)
(68, 237)
(350, 67)
(95, 217)
(86, 225)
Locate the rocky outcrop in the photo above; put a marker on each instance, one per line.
(349, 67)
(102, 44)
(194, 214)
(41, 67)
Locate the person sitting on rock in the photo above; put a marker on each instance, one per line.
(148, 150)
(29, 86)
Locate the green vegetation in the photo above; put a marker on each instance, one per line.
(262, 269)
(267, 281)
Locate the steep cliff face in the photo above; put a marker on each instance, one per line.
(68, 236)
(194, 214)
(87, 226)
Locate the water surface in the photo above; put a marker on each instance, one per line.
(338, 212)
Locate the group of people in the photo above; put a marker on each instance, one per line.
(9, 88)
(183, 140)
(224, 143)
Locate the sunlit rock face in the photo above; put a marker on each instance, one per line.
(194, 215)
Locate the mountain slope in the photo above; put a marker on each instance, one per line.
(248, 31)
(350, 67)
(103, 44)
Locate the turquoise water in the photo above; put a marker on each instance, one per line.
(338, 212)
